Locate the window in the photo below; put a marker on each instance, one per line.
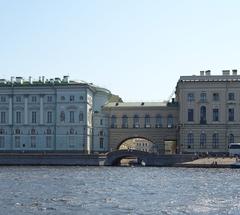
(34, 117)
(231, 114)
(203, 97)
(33, 142)
(190, 115)
(215, 140)
(34, 99)
(190, 140)
(101, 121)
(113, 121)
(3, 99)
(230, 139)
(71, 114)
(147, 121)
(202, 140)
(49, 99)
(17, 141)
(215, 97)
(33, 131)
(18, 117)
(3, 117)
(101, 133)
(71, 98)
(49, 131)
(231, 97)
(203, 117)
(215, 115)
(71, 131)
(2, 131)
(81, 116)
(62, 98)
(190, 97)
(48, 141)
(18, 98)
(62, 116)
(170, 121)
(17, 131)
(101, 142)
(158, 121)
(2, 141)
(124, 121)
(49, 117)
(81, 98)
(136, 121)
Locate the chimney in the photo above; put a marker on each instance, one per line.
(43, 79)
(30, 79)
(208, 72)
(66, 78)
(19, 80)
(234, 72)
(201, 73)
(226, 72)
(12, 79)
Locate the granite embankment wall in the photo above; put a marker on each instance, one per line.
(49, 159)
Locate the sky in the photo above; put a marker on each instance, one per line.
(138, 49)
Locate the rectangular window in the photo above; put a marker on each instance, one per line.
(17, 141)
(34, 99)
(34, 117)
(3, 117)
(231, 114)
(2, 141)
(215, 114)
(190, 115)
(18, 98)
(3, 99)
(49, 117)
(18, 117)
(71, 117)
(215, 96)
(203, 97)
(49, 98)
(231, 97)
(101, 122)
(101, 142)
(190, 97)
(48, 141)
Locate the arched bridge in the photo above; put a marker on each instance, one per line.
(150, 159)
(114, 157)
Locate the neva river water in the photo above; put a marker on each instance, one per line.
(118, 190)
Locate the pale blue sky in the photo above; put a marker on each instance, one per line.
(136, 48)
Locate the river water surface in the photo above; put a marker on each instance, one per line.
(118, 190)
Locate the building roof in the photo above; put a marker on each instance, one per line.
(136, 104)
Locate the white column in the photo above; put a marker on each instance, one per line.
(10, 110)
(26, 109)
(41, 109)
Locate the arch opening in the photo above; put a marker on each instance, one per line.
(138, 144)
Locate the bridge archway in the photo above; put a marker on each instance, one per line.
(114, 158)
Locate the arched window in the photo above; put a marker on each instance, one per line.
(136, 121)
(230, 139)
(215, 140)
(190, 140)
(158, 121)
(202, 140)
(170, 121)
(203, 117)
(147, 121)
(62, 116)
(71, 131)
(124, 121)
(81, 116)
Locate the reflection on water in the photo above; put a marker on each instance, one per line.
(102, 190)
